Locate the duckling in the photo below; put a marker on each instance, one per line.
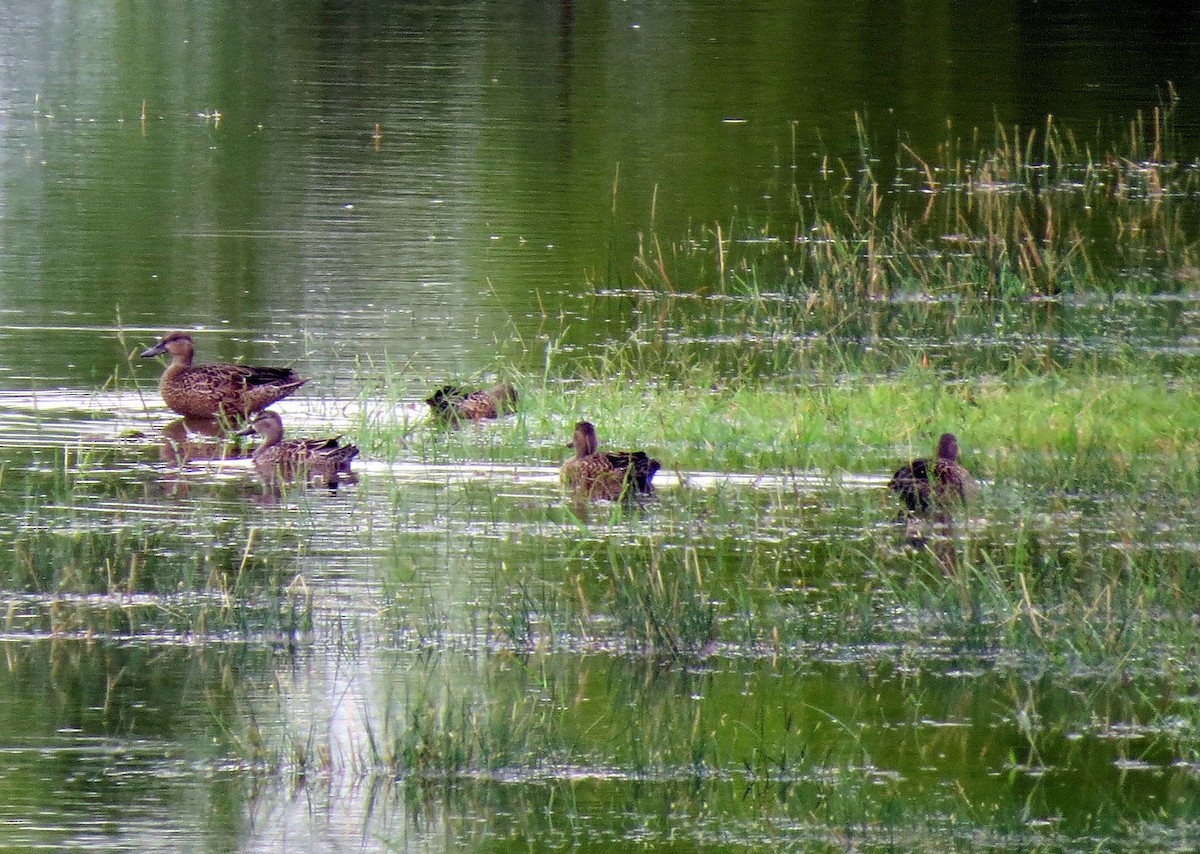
(609, 475)
(232, 392)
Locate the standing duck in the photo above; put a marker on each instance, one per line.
(949, 483)
(320, 461)
(232, 392)
(453, 403)
(610, 475)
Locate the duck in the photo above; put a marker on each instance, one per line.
(324, 462)
(454, 403)
(611, 475)
(230, 392)
(949, 483)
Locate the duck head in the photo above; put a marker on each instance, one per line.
(584, 441)
(948, 447)
(267, 424)
(178, 344)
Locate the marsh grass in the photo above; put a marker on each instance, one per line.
(1069, 435)
(755, 352)
(658, 602)
(1029, 435)
(981, 289)
(86, 558)
(1028, 212)
(1064, 583)
(138, 584)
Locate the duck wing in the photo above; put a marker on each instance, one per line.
(637, 467)
(911, 482)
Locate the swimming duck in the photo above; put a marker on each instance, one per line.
(609, 475)
(453, 403)
(217, 391)
(324, 462)
(950, 481)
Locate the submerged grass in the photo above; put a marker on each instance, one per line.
(704, 640)
(88, 557)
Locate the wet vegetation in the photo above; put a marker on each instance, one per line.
(763, 654)
(1027, 293)
(699, 649)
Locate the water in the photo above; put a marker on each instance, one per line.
(433, 193)
(324, 617)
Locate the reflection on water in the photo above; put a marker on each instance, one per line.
(187, 440)
(509, 167)
(449, 655)
(454, 622)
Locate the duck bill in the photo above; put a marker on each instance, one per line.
(156, 350)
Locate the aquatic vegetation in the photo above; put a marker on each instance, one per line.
(763, 637)
(1029, 212)
(1063, 433)
(759, 650)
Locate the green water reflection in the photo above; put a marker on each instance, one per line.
(454, 656)
(194, 169)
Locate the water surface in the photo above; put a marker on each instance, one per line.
(422, 194)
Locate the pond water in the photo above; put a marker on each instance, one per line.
(419, 194)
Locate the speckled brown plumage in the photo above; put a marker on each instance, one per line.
(217, 391)
(610, 475)
(453, 403)
(950, 482)
(325, 462)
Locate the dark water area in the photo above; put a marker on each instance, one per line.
(322, 182)
(390, 195)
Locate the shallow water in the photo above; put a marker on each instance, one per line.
(451, 654)
(195, 615)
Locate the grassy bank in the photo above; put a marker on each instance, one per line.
(1067, 432)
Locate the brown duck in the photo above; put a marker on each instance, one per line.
(232, 392)
(324, 462)
(453, 403)
(942, 481)
(609, 475)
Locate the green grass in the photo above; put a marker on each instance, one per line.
(975, 292)
(783, 652)
(1130, 434)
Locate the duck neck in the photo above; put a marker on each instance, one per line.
(270, 439)
(585, 445)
